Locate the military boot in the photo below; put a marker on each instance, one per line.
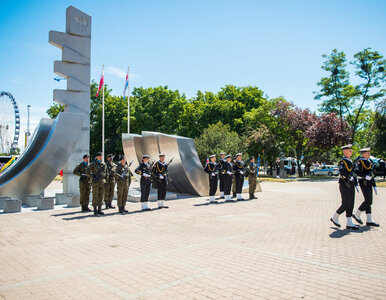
(120, 210)
(110, 205)
(107, 205)
(234, 195)
(83, 208)
(100, 212)
(95, 211)
(124, 209)
(86, 208)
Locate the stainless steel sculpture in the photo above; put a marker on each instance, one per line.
(186, 174)
(51, 145)
(61, 142)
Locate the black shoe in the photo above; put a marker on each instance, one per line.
(222, 197)
(254, 197)
(100, 212)
(213, 202)
(120, 209)
(336, 224)
(86, 208)
(124, 210)
(107, 206)
(358, 220)
(146, 209)
(110, 205)
(372, 224)
(352, 227)
(83, 208)
(95, 211)
(160, 207)
(241, 199)
(165, 206)
(233, 195)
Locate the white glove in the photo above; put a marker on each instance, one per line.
(357, 188)
(145, 175)
(241, 172)
(228, 172)
(161, 177)
(368, 177)
(351, 178)
(213, 174)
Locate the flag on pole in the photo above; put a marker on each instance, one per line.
(102, 81)
(126, 84)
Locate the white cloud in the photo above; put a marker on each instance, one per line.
(117, 72)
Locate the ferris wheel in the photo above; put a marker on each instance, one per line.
(9, 123)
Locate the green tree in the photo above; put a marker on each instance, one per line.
(54, 110)
(217, 138)
(378, 129)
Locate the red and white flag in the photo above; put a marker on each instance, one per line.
(102, 81)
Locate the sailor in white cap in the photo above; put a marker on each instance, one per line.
(227, 171)
(364, 170)
(160, 173)
(144, 170)
(221, 175)
(239, 170)
(347, 184)
(211, 168)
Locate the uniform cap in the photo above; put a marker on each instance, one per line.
(161, 154)
(213, 155)
(222, 153)
(228, 156)
(110, 155)
(85, 156)
(365, 150)
(252, 157)
(349, 146)
(145, 156)
(99, 154)
(239, 154)
(121, 157)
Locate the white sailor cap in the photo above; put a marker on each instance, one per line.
(365, 150)
(213, 155)
(239, 154)
(145, 156)
(161, 154)
(228, 156)
(349, 146)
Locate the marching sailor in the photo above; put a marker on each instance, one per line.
(160, 173)
(221, 175)
(144, 170)
(123, 178)
(227, 171)
(211, 168)
(347, 184)
(251, 170)
(364, 170)
(239, 170)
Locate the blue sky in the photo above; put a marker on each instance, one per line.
(188, 45)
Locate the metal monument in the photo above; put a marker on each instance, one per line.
(59, 143)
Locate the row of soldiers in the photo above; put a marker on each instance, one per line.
(352, 174)
(231, 175)
(102, 177)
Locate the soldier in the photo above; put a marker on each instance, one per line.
(160, 173)
(364, 170)
(123, 177)
(144, 170)
(110, 181)
(239, 170)
(347, 184)
(234, 180)
(211, 168)
(227, 170)
(221, 176)
(84, 183)
(97, 173)
(251, 170)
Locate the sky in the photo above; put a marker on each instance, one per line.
(188, 45)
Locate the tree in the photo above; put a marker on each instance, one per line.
(348, 101)
(54, 110)
(217, 138)
(378, 141)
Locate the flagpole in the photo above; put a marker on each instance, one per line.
(128, 100)
(103, 118)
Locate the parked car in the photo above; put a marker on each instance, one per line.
(325, 170)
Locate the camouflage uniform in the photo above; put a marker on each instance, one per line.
(123, 177)
(84, 184)
(110, 183)
(97, 172)
(252, 179)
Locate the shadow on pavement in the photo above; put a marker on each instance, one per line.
(222, 202)
(339, 233)
(91, 214)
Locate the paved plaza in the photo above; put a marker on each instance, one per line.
(281, 246)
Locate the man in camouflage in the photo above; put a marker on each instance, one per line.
(110, 181)
(84, 183)
(252, 177)
(97, 173)
(123, 177)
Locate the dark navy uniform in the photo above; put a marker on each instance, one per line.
(239, 170)
(227, 171)
(144, 170)
(211, 168)
(221, 176)
(347, 183)
(160, 173)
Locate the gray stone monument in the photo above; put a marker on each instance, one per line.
(12, 205)
(2, 199)
(75, 44)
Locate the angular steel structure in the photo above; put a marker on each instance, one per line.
(186, 174)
